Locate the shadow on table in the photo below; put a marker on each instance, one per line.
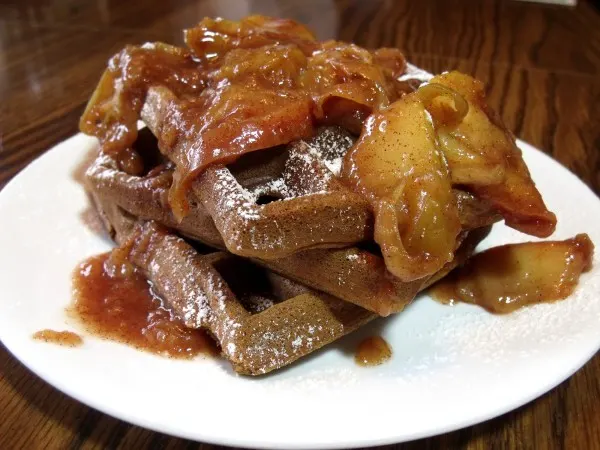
(74, 424)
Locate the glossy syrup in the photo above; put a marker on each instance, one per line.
(372, 351)
(122, 306)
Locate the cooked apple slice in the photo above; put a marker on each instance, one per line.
(398, 167)
(508, 277)
(482, 154)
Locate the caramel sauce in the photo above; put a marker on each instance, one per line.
(503, 279)
(131, 162)
(120, 305)
(372, 351)
(239, 87)
(64, 338)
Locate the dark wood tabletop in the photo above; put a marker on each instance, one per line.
(541, 64)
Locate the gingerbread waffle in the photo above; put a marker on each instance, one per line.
(355, 274)
(262, 321)
(316, 211)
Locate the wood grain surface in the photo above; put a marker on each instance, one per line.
(541, 64)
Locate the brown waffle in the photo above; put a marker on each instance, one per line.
(354, 274)
(316, 211)
(262, 321)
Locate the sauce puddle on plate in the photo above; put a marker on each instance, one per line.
(372, 351)
(64, 338)
(117, 302)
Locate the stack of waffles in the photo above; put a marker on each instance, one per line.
(275, 257)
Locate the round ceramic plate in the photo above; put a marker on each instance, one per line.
(452, 365)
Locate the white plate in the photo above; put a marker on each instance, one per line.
(452, 366)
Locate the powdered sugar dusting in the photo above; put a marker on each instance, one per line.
(185, 287)
(490, 338)
(258, 338)
(233, 197)
(330, 146)
(309, 170)
(258, 303)
(290, 337)
(277, 188)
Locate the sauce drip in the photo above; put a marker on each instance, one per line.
(506, 278)
(64, 338)
(120, 305)
(372, 351)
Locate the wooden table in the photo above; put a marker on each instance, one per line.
(541, 64)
